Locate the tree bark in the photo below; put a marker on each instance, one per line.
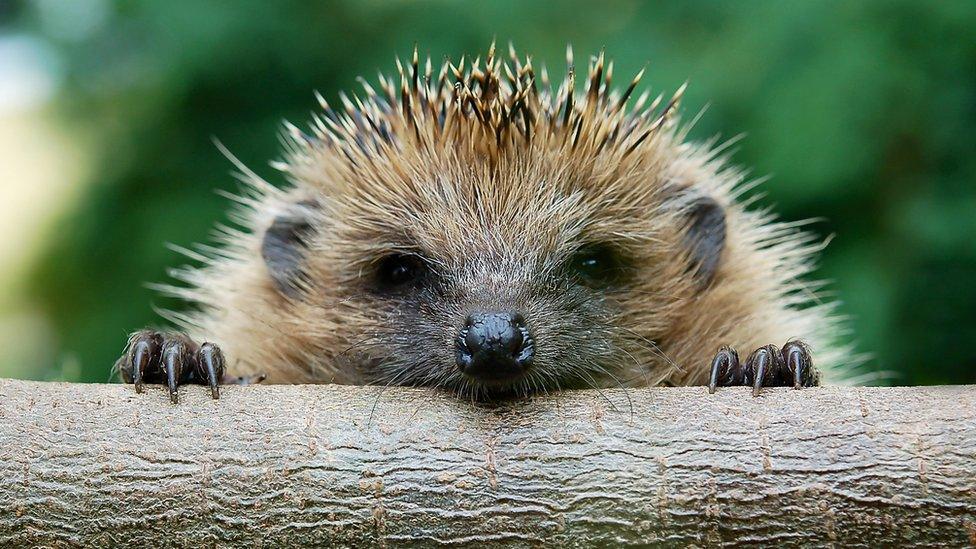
(100, 465)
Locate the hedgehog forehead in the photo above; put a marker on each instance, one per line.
(505, 218)
(501, 227)
(447, 217)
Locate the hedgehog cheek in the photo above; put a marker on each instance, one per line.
(284, 246)
(705, 238)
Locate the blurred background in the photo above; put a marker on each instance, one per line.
(862, 112)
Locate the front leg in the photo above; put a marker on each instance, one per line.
(767, 366)
(174, 359)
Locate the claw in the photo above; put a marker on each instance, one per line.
(173, 362)
(796, 366)
(798, 362)
(210, 363)
(140, 360)
(712, 380)
(761, 364)
(725, 361)
(767, 366)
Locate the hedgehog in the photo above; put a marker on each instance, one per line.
(491, 232)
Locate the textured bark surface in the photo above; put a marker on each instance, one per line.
(286, 465)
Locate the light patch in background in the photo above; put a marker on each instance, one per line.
(41, 172)
(71, 20)
(30, 72)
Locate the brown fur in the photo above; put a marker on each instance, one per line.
(481, 168)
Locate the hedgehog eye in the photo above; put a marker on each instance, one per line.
(399, 270)
(597, 264)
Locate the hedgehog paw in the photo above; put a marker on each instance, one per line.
(767, 366)
(175, 359)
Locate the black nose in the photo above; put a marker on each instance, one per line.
(495, 346)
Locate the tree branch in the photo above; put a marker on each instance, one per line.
(101, 465)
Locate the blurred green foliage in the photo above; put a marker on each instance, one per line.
(863, 113)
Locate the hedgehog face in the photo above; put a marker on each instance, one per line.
(486, 310)
(488, 291)
(493, 320)
(495, 236)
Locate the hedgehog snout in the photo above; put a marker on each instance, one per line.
(495, 347)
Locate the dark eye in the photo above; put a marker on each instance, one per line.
(597, 264)
(399, 270)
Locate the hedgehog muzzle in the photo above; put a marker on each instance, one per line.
(495, 347)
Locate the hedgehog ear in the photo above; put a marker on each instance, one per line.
(285, 244)
(704, 237)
